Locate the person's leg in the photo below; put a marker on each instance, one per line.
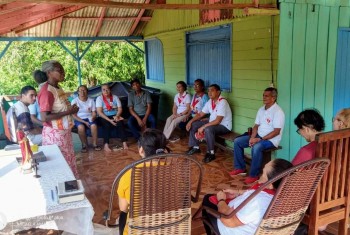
(194, 128)
(121, 130)
(82, 136)
(212, 219)
(134, 127)
(106, 127)
(166, 130)
(171, 126)
(210, 133)
(238, 151)
(257, 155)
(94, 132)
(122, 221)
(152, 121)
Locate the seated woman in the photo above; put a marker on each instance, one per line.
(151, 142)
(342, 119)
(109, 108)
(247, 220)
(85, 118)
(181, 109)
(309, 123)
(198, 101)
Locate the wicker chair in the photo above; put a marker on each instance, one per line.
(160, 200)
(291, 200)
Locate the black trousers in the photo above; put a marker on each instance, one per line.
(108, 128)
(212, 219)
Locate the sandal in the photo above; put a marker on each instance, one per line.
(97, 148)
(83, 149)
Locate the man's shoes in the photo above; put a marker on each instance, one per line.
(192, 151)
(250, 180)
(209, 157)
(238, 172)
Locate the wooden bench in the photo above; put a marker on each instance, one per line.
(220, 142)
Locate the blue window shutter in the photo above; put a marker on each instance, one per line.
(342, 72)
(209, 56)
(154, 60)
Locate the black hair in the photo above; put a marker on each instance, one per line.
(39, 76)
(310, 118)
(25, 89)
(278, 166)
(153, 142)
(135, 80)
(216, 86)
(82, 86)
(273, 91)
(201, 82)
(183, 84)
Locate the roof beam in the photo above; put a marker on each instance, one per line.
(152, 6)
(100, 21)
(117, 38)
(14, 6)
(59, 13)
(58, 26)
(137, 21)
(145, 18)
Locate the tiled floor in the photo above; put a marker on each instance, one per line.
(98, 170)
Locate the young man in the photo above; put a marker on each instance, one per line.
(267, 133)
(140, 105)
(24, 121)
(220, 122)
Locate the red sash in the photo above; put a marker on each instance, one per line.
(108, 105)
(181, 98)
(269, 191)
(196, 100)
(213, 104)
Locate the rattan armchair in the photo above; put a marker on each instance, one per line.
(160, 194)
(290, 201)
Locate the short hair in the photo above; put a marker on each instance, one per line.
(25, 89)
(82, 86)
(216, 86)
(278, 166)
(183, 84)
(310, 118)
(273, 91)
(201, 82)
(344, 116)
(50, 65)
(39, 76)
(153, 142)
(135, 80)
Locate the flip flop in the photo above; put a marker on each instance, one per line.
(97, 148)
(83, 149)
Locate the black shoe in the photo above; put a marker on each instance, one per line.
(193, 151)
(209, 157)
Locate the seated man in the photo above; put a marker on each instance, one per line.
(220, 122)
(139, 103)
(267, 133)
(34, 109)
(24, 121)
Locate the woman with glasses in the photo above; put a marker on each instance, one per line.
(152, 142)
(309, 123)
(342, 119)
(56, 112)
(85, 118)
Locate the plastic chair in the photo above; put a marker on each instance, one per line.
(290, 201)
(160, 200)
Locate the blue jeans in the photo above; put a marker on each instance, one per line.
(242, 142)
(135, 128)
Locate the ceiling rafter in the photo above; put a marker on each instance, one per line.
(15, 6)
(58, 26)
(144, 18)
(62, 12)
(153, 6)
(137, 21)
(100, 21)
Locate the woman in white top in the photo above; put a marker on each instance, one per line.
(85, 118)
(181, 109)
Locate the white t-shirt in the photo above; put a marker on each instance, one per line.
(182, 101)
(270, 119)
(250, 215)
(114, 104)
(85, 107)
(220, 108)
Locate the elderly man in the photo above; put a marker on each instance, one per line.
(140, 105)
(220, 122)
(24, 121)
(266, 133)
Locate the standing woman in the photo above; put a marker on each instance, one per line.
(181, 109)
(109, 108)
(56, 112)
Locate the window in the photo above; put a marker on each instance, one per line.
(154, 60)
(209, 56)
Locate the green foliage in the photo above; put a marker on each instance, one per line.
(103, 62)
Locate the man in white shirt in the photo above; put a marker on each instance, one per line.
(220, 122)
(267, 133)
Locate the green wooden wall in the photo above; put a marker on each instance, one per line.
(251, 63)
(307, 57)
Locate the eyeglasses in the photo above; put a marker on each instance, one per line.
(298, 131)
